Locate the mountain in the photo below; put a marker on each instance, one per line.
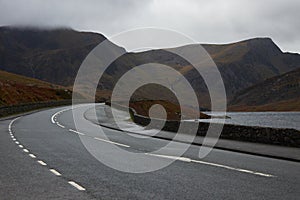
(55, 56)
(241, 64)
(249, 62)
(280, 93)
(16, 89)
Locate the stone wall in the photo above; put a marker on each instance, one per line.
(274, 136)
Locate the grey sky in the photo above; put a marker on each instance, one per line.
(209, 21)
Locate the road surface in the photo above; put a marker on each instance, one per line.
(43, 157)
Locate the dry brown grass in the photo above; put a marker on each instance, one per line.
(16, 89)
(173, 110)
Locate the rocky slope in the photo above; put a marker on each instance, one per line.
(280, 93)
(56, 55)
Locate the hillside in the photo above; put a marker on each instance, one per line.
(50, 55)
(56, 55)
(16, 89)
(241, 64)
(280, 93)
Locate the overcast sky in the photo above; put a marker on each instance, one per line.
(209, 21)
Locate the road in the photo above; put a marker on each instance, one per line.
(43, 157)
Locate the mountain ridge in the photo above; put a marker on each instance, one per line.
(56, 55)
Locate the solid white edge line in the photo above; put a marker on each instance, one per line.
(78, 187)
(32, 155)
(41, 162)
(55, 172)
(108, 141)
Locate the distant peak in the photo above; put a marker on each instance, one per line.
(260, 39)
(263, 44)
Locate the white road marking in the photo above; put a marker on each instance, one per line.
(21, 146)
(211, 164)
(78, 187)
(108, 141)
(171, 157)
(55, 172)
(53, 117)
(71, 130)
(233, 168)
(26, 150)
(41, 163)
(32, 155)
(61, 126)
(10, 124)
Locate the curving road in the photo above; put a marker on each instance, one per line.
(43, 157)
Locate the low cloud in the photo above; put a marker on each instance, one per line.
(215, 21)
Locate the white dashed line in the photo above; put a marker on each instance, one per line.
(212, 164)
(25, 150)
(54, 116)
(52, 119)
(71, 130)
(233, 168)
(171, 157)
(55, 172)
(78, 187)
(32, 155)
(61, 126)
(10, 124)
(41, 163)
(108, 141)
